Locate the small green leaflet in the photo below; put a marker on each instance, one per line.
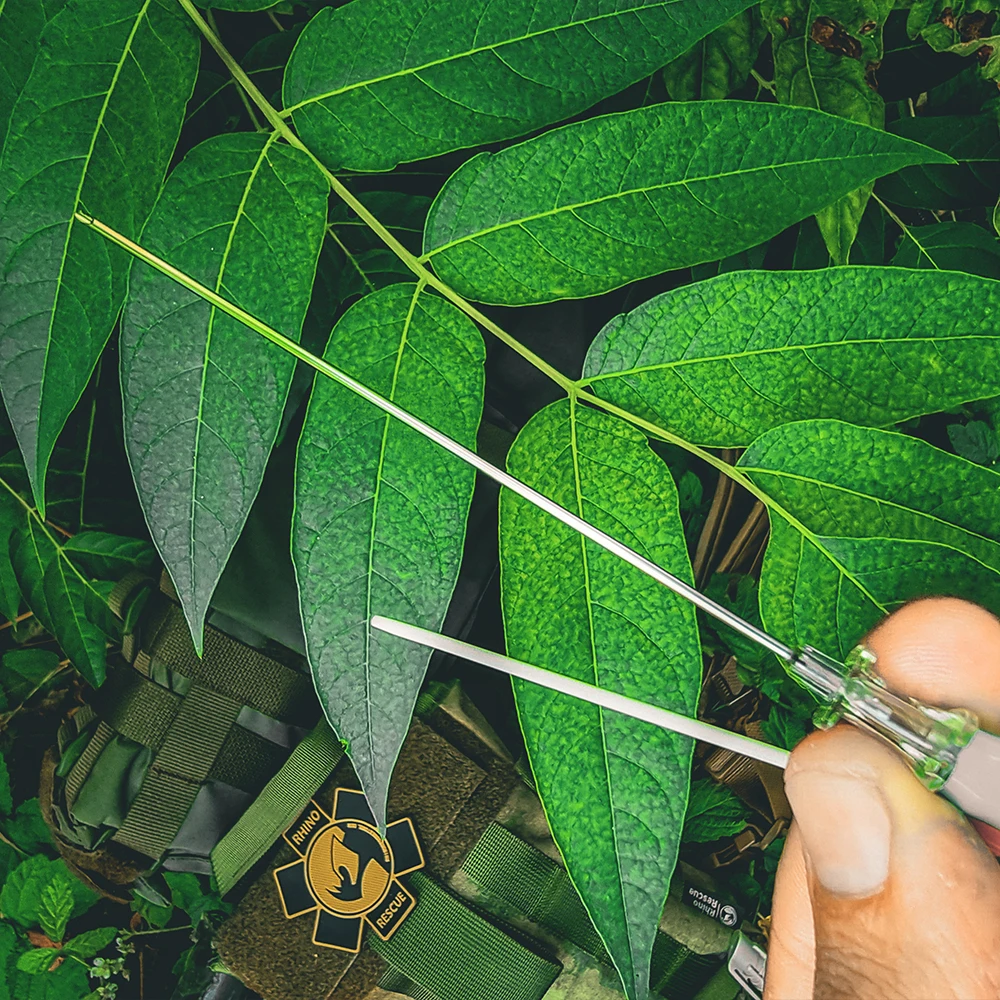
(614, 790)
(974, 141)
(592, 206)
(380, 513)
(93, 128)
(375, 83)
(56, 906)
(724, 360)
(863, 520)
(950, 246)
(713, 811)
(204, 396)
(823, 53)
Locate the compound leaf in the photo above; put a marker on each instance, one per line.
(592, 206)
(865, 520)
(380, 513)
(724, 360)
(204, 395)
(614, 790)
(93, 129)
(376, 82)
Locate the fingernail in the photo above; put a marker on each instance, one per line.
(845, 829)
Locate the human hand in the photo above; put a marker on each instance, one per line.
(884, 890)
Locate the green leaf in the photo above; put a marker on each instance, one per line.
(950, 246)
(64, 600)
(380, 512)
(93, 129)
(27, 827)
(973, 140)
(868, 519)
(21, 24)
(21, 897)
(376, 82)
(89, 943)
(614, 789)
(592, 206)
(719, 63)
(203, 395)
(6, 798)
(977, 441)
(68, 982)
(55, 907)
(724, 360)
(784, 728)
(966, 32)
(713, 811)
(10, 591)
(110, 556)
(37, 961)
(825, 52)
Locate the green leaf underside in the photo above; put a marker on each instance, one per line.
(713, 811)
(882, 518)
(204, 395)
(376, 83)
(951, 246)
(592, 206)
(21, 24)
(974, 141)
(725, 360)
(94, 128)
(380, 513)
(614, 790)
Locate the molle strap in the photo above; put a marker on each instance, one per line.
(184, 761)
(247, 761)
(229, 666)
(81, 769)
(136, 707)
(458, 954)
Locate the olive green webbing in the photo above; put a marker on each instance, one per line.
(447, 948)
(81, 769)
(518, 874)
(282, 799)
(182, 764)
(229, 666)
(393, 981)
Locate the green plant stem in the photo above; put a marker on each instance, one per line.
(421, 272)
(254, 120)
(351, 259)
(159, 930)
(906, 230)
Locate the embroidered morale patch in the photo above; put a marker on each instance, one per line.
(347, 873)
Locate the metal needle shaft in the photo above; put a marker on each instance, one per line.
(587, 692)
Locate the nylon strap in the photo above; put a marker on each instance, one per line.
(247, 761)
(520, 875)
(282, 799)
(447, 948)
(184, 760)
(507, 867)
(229, 666)
(81, 769)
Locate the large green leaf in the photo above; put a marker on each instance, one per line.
(724, 360)
(866, 520)
(377, 82)
(973, 140)
(380, 513)
(614, 790)
(93, 128)
(592, 206)
(825, 56)
(204, 396)
(21, 24)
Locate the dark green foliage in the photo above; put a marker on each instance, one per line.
(717, 157)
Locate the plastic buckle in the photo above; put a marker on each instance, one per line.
(747, 965)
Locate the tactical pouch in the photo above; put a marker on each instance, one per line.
(201, 764)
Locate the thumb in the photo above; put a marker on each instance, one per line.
(905, 897)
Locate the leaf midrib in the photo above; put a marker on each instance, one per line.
(836, 487)
(85, 168)
(410, 71)
(578, 489)
(642, 190)
(213, 312)
(387, 420)
(782, 348)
